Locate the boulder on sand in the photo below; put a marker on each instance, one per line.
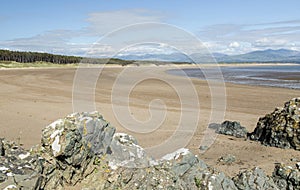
(232, 128)
(281, 128)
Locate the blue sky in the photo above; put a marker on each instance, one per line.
(72, 26)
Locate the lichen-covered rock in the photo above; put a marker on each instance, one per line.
(156, 176)
(125, 152)
(286, 177)
(17, 168)
(195, 174)
(281, 128)
(65, 136)
(232, 128)
(178, 170)
(254, 179)
(70, 145)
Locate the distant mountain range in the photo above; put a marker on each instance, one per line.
(269, 55)
(173, 57)
(264, 56)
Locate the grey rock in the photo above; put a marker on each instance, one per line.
(178, 170)
(67, 154)
(185, 163)
(203, 147)
(295, 160)
(28, 182)
(69, 147)
(2, 152)
(232, 128)
(3, 177)
(77, 129)
(281, 128)
(254, 179)
(16, 168)
(227, 159)
(286, 177)
(125, 152)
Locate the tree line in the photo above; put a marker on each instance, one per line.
(30, 57)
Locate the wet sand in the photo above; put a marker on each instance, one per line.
(277, 75)
(32, 98)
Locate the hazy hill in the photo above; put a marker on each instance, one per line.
(269, 55)
(264, 56)
(172, 57)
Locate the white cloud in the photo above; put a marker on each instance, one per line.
(229, 48)
(64, 41)
(99, 51)
(284, 34)
(104, 22)
(234, 45)
(56, 41)
(147, 48)
(271, 42)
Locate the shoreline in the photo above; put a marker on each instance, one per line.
(170, 67)
(274, 77)
(153, 65)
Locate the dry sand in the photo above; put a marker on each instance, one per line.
(32, 98)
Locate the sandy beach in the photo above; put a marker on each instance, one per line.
(33, 98)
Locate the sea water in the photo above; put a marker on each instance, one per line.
(285, 76)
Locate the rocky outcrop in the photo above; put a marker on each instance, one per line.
(83, 149)
(281, 128)
(68, 153)
(69, 147)
(232, 128)
(179, 170)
